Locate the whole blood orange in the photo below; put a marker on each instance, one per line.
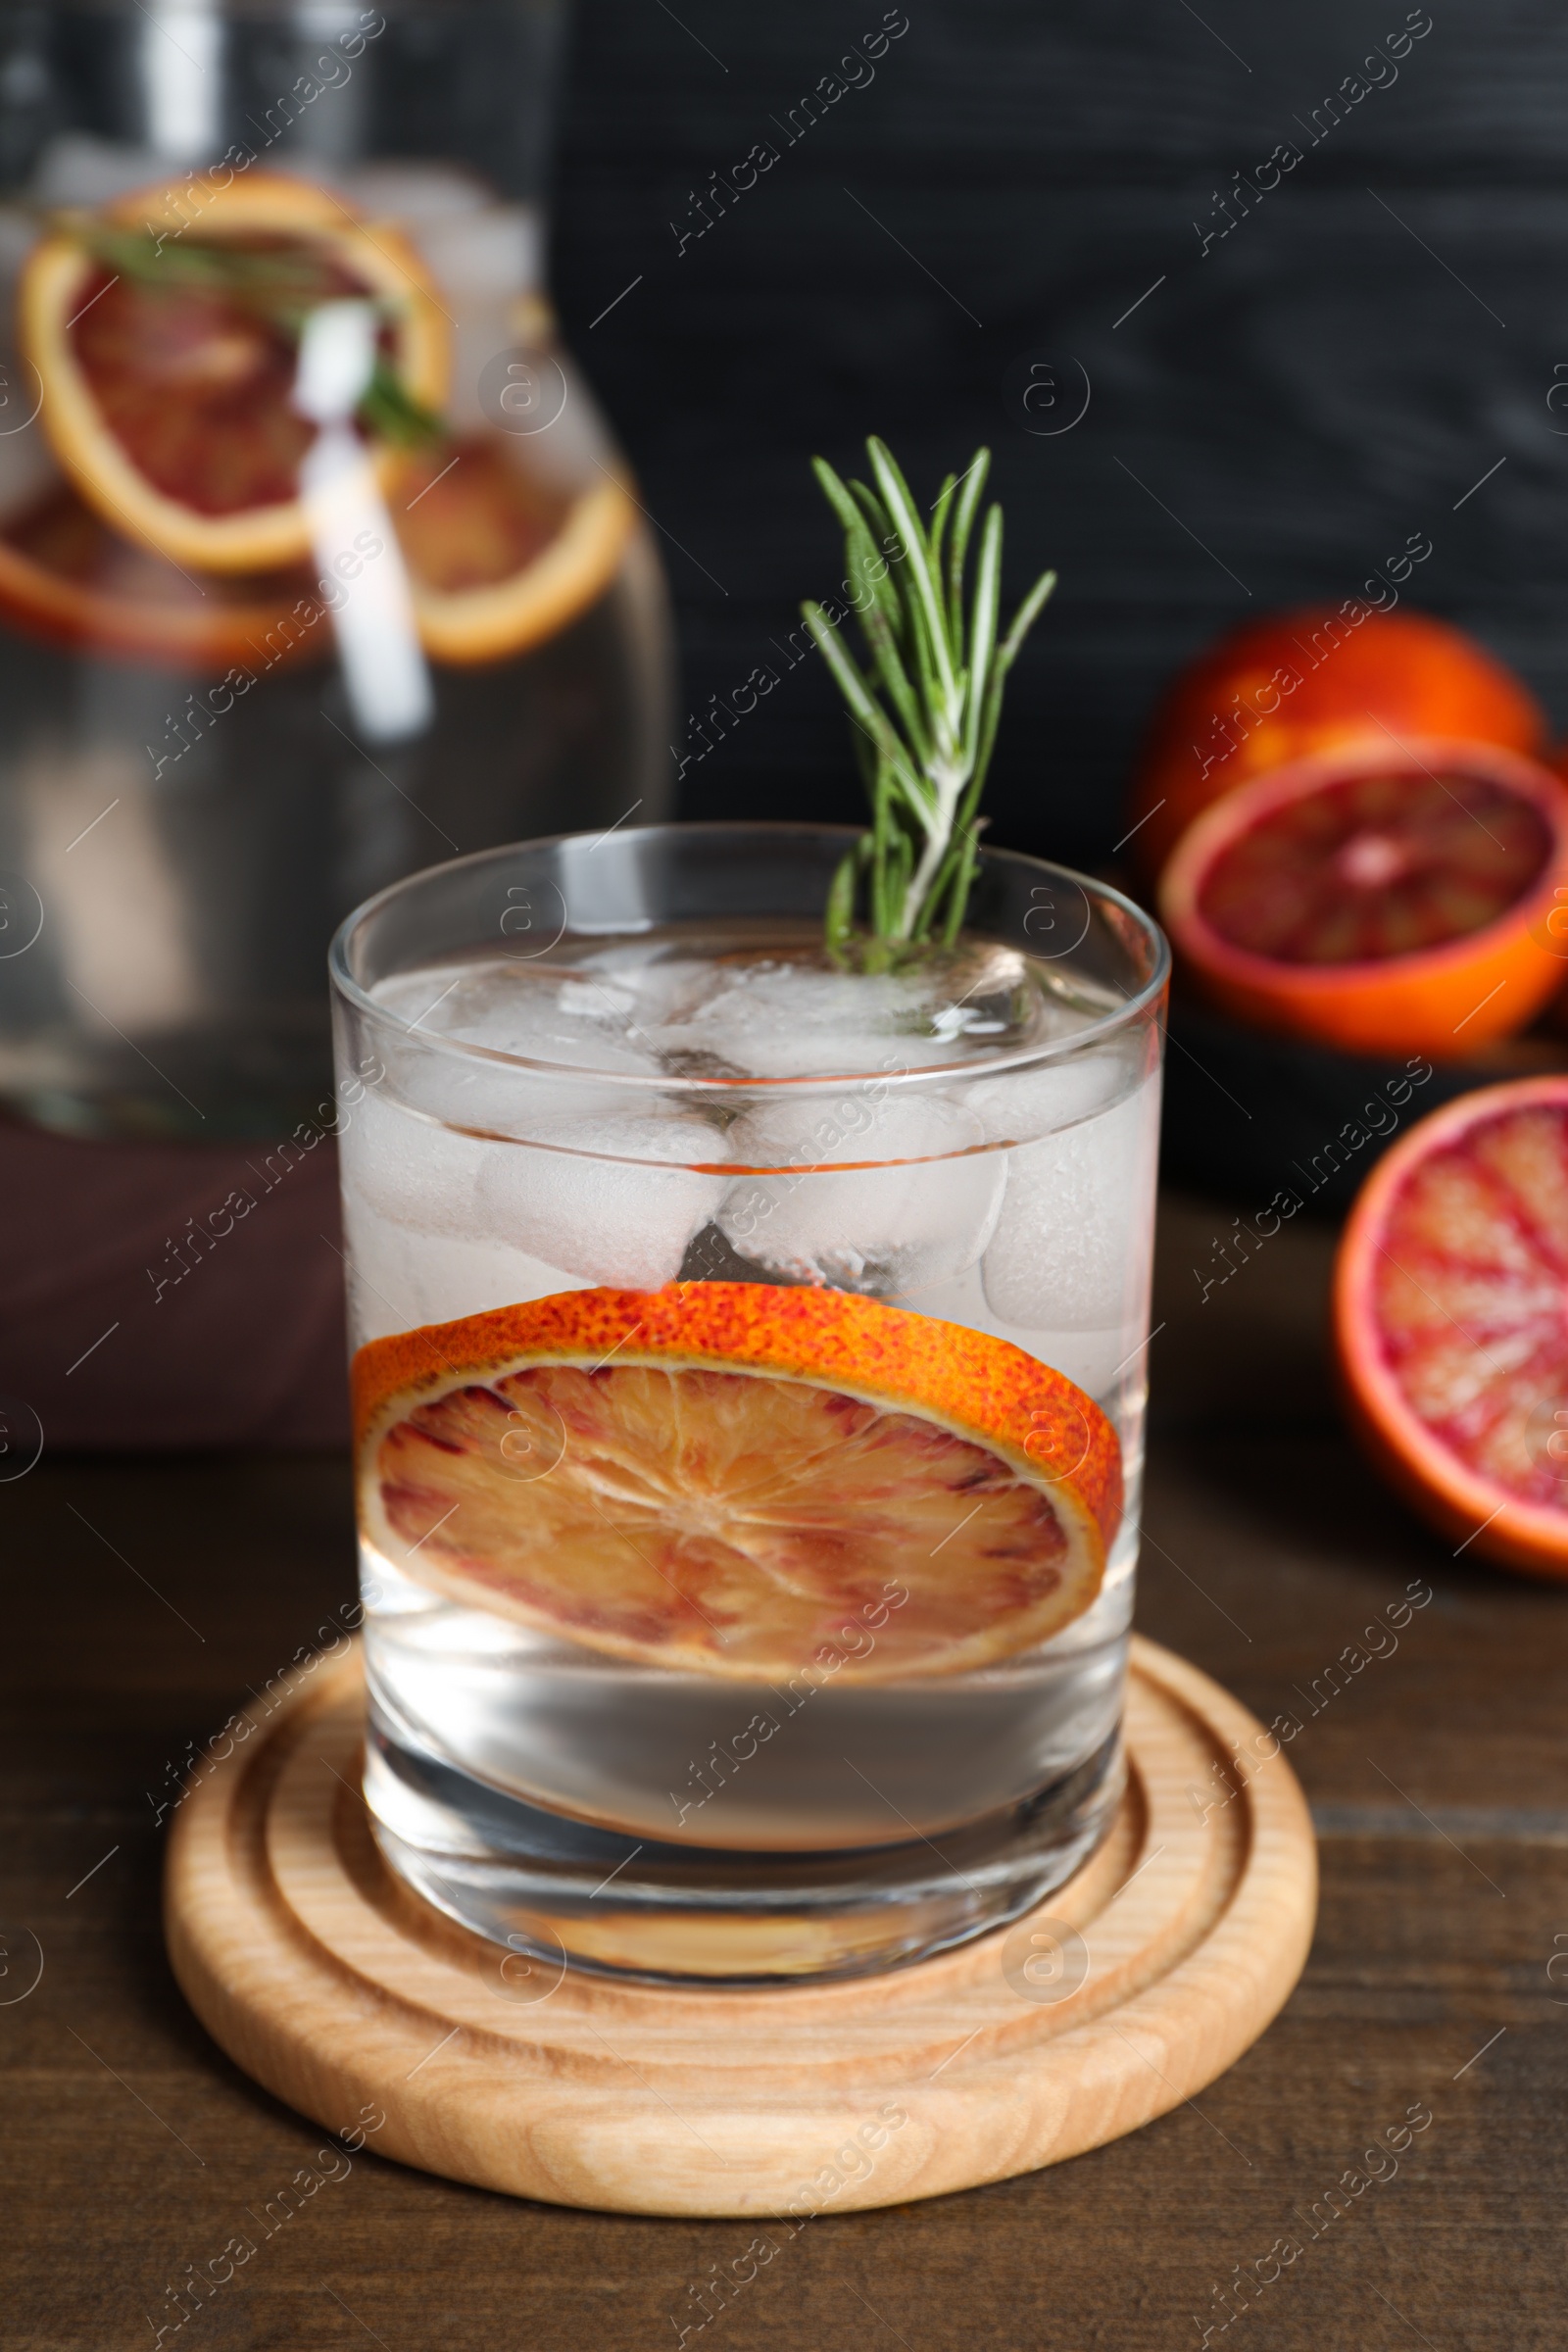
(723, 1478)
(497, 562)
(1450, 1318)
(168, 370)
(1299, 683)
(1395, 902)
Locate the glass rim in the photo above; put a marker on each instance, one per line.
(1095, 1033)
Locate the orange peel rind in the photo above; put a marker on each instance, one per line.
(494, 565)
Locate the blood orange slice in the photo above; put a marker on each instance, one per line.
(497, 562)
(66, 577)
(1451, 1314)
(1395, 900)
(723, 1478)
(168, 372)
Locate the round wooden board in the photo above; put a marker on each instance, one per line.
(343, 1993)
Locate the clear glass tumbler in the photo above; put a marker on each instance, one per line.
(750, 1378)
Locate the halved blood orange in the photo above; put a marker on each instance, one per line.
(1393, 900)
(167, 392)
(498, 561)
(67, 578)
(724, 1477)
(1450, 1318)
(1296, 684)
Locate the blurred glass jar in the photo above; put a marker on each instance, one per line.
(316, 561)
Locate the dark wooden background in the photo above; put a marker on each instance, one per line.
(1327, 380)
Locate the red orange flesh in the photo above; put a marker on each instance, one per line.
(1379, 904)
(1319, 679)
(1450, 1316)
(725, 1477)
(66, 577)
(498, 561)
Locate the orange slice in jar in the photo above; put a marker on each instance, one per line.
(1451, 1319)
(167, 373)
(725, 1477)
(67, 578)
(498, 561)
(1395, 901)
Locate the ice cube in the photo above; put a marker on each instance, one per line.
(772, 1016)
(613, 1197)
(776, 1021)
(782, 1020)
(1018, 1105)
(409, 1170)
(565, 1021)
(539, 1012)
(1090, 1358)
(920, 1214)
(1070, 1250)
(483, 257)
(486, 260)
(412, 194)
(399, 1279)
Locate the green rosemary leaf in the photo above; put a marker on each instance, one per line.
(901, 862)
(838, 497)
(890, 556)
(942, 507)
(962, 880)
(879, 838)
(868, 576)
(990, 714)
(990, 717)
(875, 513)
(975, 483)
(862, 562)
(390, 409)
(275, 284)
(923, 661)
(1027, 614)
(867, 757)
(916, 555)
(136, 254)
(882, 639)
(983, 626)
(839, 919)
(857, 692)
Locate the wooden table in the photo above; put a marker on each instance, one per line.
(145, 1598)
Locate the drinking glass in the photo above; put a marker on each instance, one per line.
(750, 1370)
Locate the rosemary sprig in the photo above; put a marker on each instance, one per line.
(277, 283)
(389, 409)
(924, 712)
(278, 286)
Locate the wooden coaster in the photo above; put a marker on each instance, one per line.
(1132, 1987)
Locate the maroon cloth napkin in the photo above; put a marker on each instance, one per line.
(165, 1296)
